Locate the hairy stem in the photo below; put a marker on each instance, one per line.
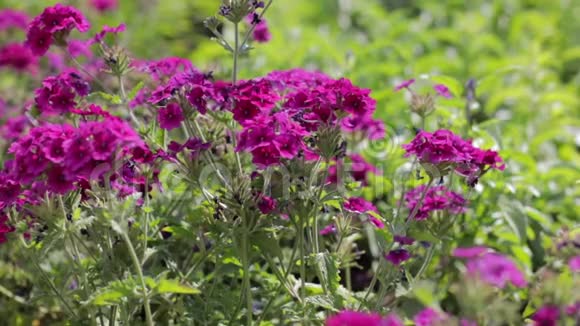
(139, 271)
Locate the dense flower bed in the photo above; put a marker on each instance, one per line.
(145, 191)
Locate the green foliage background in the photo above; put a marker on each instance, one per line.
(524, 55)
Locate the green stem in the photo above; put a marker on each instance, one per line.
(147, 219)
(372, 285)
(236, 52)
(139, 270)
(12, 296)
(50, 283)
(419, 203)
(348, 279)
(302, 249)
(426, 262)
(246, 280)
(82, 68)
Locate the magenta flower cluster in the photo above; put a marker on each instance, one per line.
(304, 102)
(437, 198)
(54, 24)
(446, 150)
(13, 19)
(490, 267)
(58, 94)
(58, 158)
(355, 318)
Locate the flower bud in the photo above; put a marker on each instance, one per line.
(236, 10)
(423, 105)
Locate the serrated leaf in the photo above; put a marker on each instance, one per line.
(173, 286)
(327, 270)
(113, 99)
(267, 243)
(322, 301)
(109, 297)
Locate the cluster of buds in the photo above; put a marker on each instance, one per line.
(237, 10)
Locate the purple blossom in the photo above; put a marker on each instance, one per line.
(397, 256)
(547, 315)
(104, 5)
(496, 270)
(267, 204)
(470, 252)
(358, 205)
(448, 151)
(437, 198)
(19, 58)
(404, 84)
(170, 117)
(404, 240)
(442, 90)
(10, 18)
(430, 317)
(54, 22)
(329, 229)
(574, 264)
(355, 318)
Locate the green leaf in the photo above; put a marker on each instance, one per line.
(109, 297)
(327, 270)
(113, 99)
(135, 90)
(267, 243)
(322, 301)
(173, 286)
(424, 291)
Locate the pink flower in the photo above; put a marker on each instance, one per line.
(404, 84)
(104, 5)
(470, 252)
(449, 152)
(573, 309)
(10, 18)
(58, 182)
(38, 40)
(261, 33)
(397, 256)
(359, 205)
(170, 117)
(267, 204)
(5, 228)
(288, 145)
(58, 93)
(404, 240)
(437, 198)
(355, 318)
(265, 156)
(329, 229)
(430, 317)
(360, 169)
(18, 57)
(547, 315)
(108, 30)
(442, 90)
(54, 23)
(496, 270)
(9, 190)
(574, 264)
